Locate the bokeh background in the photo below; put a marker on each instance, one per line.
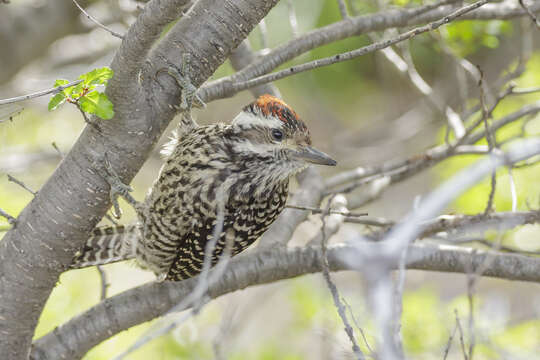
(362, 112)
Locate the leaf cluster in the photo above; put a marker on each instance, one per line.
(85, 94)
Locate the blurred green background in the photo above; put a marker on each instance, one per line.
(354, 110)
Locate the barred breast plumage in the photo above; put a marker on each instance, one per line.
(182, 206)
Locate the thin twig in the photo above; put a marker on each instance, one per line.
(380, 222)
(264, 37)
(453, 118)
(472, 279)
(53, 144)
(104, 283)
(323, 211)
(398, 300)
(21, 184)
(528, 163)
(54, 90)
(471, 285)
(9, 218)
(406, 65)
(360, 330)
(486, 114)
(449, 343)
(343, 9)
(242, 85)
(93, 19)
(333, 288)
(9, 112)
(525, 91)
(87, 120)
(460, 331)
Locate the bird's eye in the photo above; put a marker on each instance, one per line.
(277, 134)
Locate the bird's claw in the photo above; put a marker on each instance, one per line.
(189, 96)
(118, 188)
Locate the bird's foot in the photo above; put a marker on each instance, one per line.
(118, 188)
(188, 97)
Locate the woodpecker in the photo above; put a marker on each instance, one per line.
(235, 176)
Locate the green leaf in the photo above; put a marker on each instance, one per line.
(56, 101)
(97, 103)
(60, 82)
(97, 76)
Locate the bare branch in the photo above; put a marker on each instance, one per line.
(110, 317)
(21, 184)
(460, 330)
(500, 220)
(449, 343)
(96, 21)
(322, 211)
(401, 235)
(55, 90)
(376, 264)
(103, 281)
(486, 114)
(352, 27)
(325, 35)
(243, 85)
(263, 30)
(398, 170)
(530, 109)
(343, 9)
(380, 222)
(524, 91)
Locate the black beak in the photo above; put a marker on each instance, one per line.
(314, 156)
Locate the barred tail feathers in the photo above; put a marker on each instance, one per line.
(107, 245)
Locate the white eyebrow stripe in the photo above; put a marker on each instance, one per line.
(248, 146)
(249, 119)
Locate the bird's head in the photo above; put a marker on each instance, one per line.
(268, 130)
